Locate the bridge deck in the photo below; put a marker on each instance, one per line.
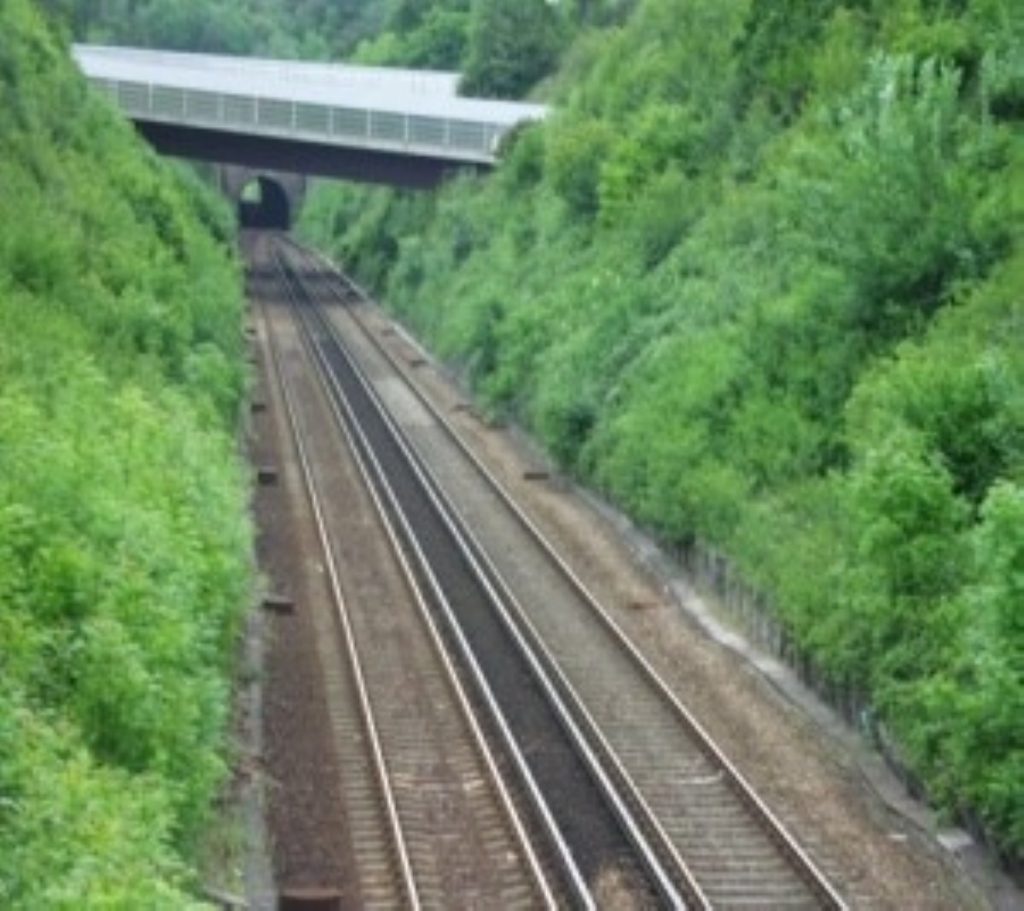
(391, 110)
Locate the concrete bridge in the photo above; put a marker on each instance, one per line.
(399, 127)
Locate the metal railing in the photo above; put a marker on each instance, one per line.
(467, 140)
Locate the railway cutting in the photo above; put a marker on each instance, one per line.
(513, 744)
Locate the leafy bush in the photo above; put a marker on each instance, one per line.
(124, 546)
(575, 157)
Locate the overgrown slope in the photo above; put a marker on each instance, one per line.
(124, 548)
(760, 280)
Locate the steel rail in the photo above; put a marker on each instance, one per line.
(582, 896)
(772, 826)
(574, 718)
(646, 832)
(380, 765)
(451, 676)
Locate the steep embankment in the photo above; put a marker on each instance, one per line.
(124, 546)
(761, 282)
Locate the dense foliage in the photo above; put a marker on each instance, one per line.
(512, 45)
(123, 545)
(503, 47)
(760, 280)
(430, 34)
(303, 28)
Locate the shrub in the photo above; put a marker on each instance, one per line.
(124, 547)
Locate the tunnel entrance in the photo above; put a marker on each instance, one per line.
(264, 204)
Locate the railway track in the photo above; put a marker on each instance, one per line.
(723, 844)
(430, 819)
(610, 852)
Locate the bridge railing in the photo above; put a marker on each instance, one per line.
(447, 137)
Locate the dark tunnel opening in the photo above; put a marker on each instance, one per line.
(264, 204)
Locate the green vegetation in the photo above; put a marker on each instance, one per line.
(304, 29)
(512, 45)
(124, 548)
(503, 47)
(431, 35)
(760, 281)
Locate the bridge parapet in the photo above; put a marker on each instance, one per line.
(392, 113)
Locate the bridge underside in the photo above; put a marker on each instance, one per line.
(366, 165)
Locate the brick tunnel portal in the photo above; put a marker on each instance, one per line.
(264, 203)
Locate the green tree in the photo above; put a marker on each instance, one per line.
(512, 45)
